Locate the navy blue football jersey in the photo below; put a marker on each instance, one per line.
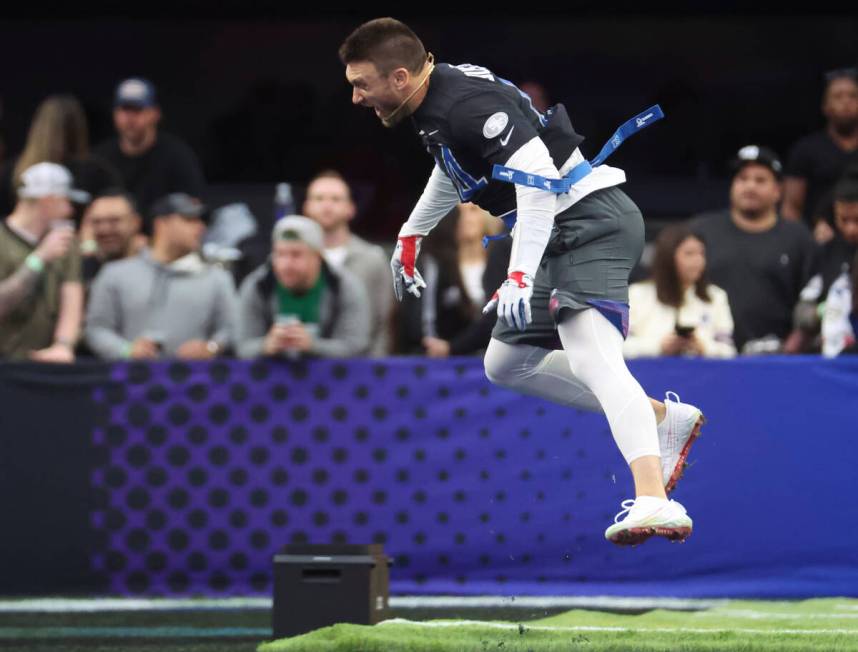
(472, 119)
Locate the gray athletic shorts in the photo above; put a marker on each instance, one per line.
(593, 248)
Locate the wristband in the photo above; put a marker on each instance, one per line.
(35, 263)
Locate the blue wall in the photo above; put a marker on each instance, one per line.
(198, 472)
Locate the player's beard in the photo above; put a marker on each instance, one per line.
(392, 118)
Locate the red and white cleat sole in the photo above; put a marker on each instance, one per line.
(681, 463)
(637, 535)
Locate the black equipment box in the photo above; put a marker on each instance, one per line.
(320, 585)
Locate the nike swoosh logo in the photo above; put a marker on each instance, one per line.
(504, 141)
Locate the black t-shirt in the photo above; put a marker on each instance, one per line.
(820, 162)
(471, 120)
(169, 166)
(832, 259)
(762, 273)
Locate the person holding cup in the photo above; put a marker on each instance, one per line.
(295, 304)
(41, 293)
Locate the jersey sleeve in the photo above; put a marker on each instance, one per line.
(490, 125)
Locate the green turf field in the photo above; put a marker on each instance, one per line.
(830, 624)
(737, 625)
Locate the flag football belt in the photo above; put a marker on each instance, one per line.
(563, 184)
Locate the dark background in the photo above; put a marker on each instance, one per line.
(46, 456)
(260, 95)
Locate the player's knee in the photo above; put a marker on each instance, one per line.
(499, 367)
(494, 369)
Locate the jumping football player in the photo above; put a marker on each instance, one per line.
(572, 252)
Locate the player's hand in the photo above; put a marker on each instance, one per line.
(406, 278)
(512, 300)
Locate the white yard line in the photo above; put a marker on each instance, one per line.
(775, 615)
(585, 628)
(553, 601)
(74, 605)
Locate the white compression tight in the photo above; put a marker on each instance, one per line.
(590, 374)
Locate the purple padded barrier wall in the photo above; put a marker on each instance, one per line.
(207, 468)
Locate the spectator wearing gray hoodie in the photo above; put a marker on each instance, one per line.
(296, 304)
(166, 301)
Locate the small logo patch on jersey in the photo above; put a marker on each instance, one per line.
(496, 123)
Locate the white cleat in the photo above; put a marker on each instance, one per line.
(647, 517)
(676, 433)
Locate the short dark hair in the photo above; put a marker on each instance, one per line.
(667, 286)
(836, 75)
(114, 192)
(846, 190)
(330, 173)
(842, 73)
(386, 43)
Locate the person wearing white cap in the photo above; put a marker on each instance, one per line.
(41, 294)
(296, 304)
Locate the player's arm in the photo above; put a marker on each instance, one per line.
(534, 208)
(438, 198)
(534, 221)
(492, 125)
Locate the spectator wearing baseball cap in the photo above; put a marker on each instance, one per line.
(41, 294)
(761, 260)
(165, 301)
(817, 160)
(152, 163)
(296, 304)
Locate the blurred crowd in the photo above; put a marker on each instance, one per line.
(101, 255)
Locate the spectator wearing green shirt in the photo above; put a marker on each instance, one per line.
(41, 294)
(296, 304)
